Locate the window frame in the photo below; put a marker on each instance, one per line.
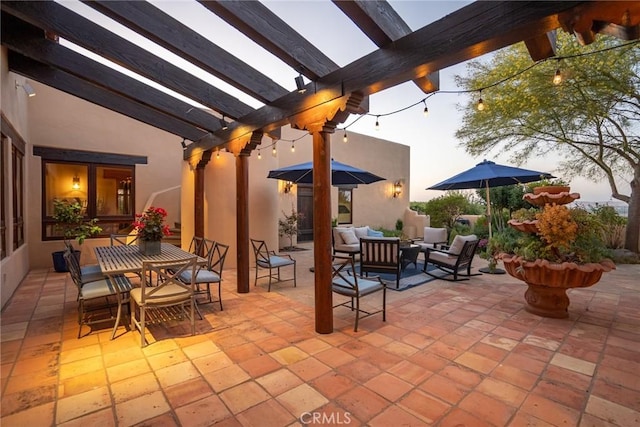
(345, 190)
(93, 161)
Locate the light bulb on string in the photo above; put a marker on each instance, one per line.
(259, 155)
(217, 154)
(344, 138)
(557, 78)
(480, 103)
(293, 147)
(426, 109)
(274, 152)
(377, 123)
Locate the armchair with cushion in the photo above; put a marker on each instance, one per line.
(345, 282)
(458, 257)
(347, 239)
(270, 260)
(432, 238)
(380, 255)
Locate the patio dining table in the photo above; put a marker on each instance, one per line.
(120, 259)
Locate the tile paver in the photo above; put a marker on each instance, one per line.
(449, 354)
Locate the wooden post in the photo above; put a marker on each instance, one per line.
(242, 222)
(198, 200)
(322, 230)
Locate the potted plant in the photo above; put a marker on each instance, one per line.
(71, 223)
(150, 228)
(289, 226)
(551, 186)
(565, 251)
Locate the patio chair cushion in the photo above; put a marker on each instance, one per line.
(458, 243)
(276, 261)
(349, 237)
(202, 276)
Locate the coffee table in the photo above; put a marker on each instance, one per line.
(409, 255)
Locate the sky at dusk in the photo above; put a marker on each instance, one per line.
(435, 153)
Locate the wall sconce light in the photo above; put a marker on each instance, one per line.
(29, 90)
(76, 183)
(287, 186)
(397, 189)
(300, 84)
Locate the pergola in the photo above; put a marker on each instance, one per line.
(31, 31)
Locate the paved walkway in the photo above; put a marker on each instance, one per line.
(450, 354)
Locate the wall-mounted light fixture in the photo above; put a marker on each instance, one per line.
(29, 90)
(288, 185)
(300, 84)
(76, 183)
(397, 189)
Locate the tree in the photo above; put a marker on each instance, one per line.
(592, 119)
(444, 210)
(289, 226)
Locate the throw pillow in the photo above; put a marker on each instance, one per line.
(349, 237)
(374, 233)
(361, 231)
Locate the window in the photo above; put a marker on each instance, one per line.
(345, 208)
(17, 181)
(104, 191)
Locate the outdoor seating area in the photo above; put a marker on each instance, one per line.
(449, 353)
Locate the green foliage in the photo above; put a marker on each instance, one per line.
(444, 210)
(524, 214)
(504, 200)
(590, 120)
(613, 226)
(70, 221)
(289, 225)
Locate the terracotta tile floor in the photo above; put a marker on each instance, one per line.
(450, 354)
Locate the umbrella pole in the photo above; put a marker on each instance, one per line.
(489, 209)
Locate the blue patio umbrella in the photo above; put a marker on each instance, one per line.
(489, 174)
(341, 174)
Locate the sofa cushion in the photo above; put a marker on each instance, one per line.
(349, 237)
(361, 232)
(337, 239)
(458, 243)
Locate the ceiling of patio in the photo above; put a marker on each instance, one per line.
(205, 60)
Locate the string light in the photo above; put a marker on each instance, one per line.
(293, 147)
(481, 105)
(274, 152)
(480, 102)
(557, 78)
(259, 155)
(344, 138)
(426, 109)
(218, 153)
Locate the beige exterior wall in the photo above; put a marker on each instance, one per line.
(63, 121)
(14, 107)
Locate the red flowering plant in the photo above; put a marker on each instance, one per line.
(150, 224)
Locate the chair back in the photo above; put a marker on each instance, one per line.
(123, 239)
(74, 267)
(168, 289)
(343, 278)
(217, 257)
(467, 253)
(197, 246)
(434, 235)
(380, 255)
(260, 251)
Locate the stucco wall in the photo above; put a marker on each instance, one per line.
(63, 121)
(14, 102)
